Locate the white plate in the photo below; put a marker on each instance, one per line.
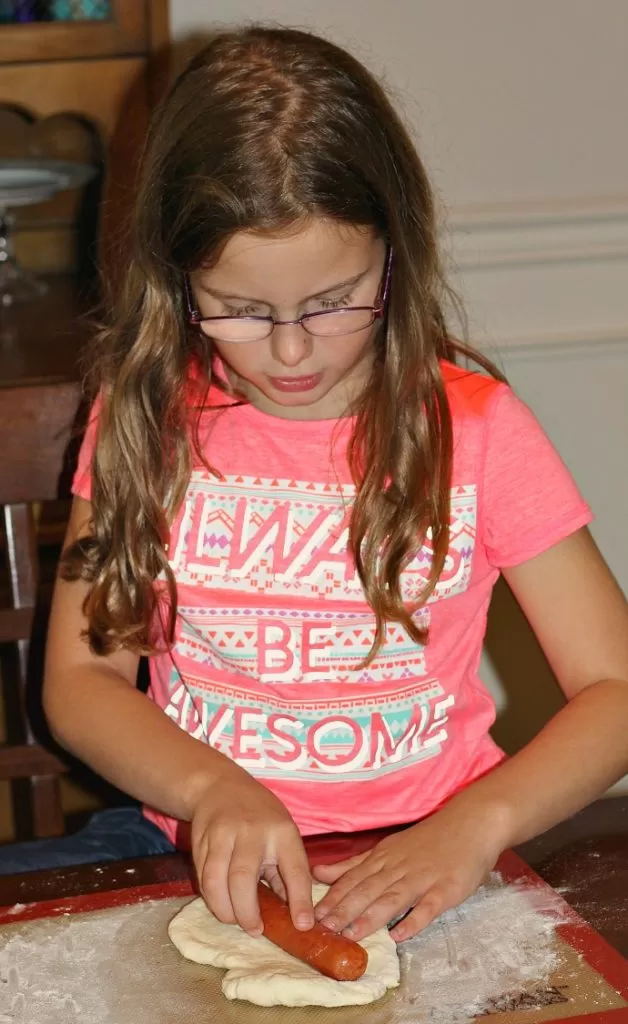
(32, 181)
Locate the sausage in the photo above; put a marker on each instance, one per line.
(331, 954)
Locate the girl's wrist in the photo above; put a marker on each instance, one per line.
(493, 812)
(203, 779)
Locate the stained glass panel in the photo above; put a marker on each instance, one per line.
(24, 11)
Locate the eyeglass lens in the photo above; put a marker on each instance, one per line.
(333, 323)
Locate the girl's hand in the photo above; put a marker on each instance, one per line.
(240, 833)
(429, 867)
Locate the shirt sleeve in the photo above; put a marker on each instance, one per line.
(530, 500)
(82, 480)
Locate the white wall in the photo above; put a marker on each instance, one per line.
(520, 113)
(513, 101)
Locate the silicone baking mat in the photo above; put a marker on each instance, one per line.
(105, 958)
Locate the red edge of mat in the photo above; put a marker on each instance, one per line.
(619, 1016)
(87, 902)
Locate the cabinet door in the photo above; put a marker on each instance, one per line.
(126, 31)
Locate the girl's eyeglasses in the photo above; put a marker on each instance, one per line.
(328, 323)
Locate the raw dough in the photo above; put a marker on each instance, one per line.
(261, 973)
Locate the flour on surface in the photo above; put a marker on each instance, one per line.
(55, 972)
(500, 942)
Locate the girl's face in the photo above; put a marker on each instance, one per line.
(322, 265)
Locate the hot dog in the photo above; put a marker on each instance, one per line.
(331, 954)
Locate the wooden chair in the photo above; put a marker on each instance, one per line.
(36, 428)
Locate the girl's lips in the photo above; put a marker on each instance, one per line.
(291, 384)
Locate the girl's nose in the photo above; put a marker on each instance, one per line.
(290, 344)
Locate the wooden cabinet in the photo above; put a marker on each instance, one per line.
(135, 27)
(106, 76)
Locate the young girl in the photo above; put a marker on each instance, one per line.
(292, 499)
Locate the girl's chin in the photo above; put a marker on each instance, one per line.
(296, 398)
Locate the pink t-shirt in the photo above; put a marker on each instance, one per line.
(272, 621)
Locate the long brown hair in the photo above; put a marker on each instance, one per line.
(266, 127)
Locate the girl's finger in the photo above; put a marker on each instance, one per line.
(199, 853)
(390, 905)
(430, 906)
(358, 901)
(212, 877)
(271, 874)
(353, 876)
(297, 879)
(242, 878)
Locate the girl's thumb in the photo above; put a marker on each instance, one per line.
(331, 872)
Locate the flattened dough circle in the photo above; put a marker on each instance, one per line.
(261, 973)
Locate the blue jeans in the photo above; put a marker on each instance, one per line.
(114, 834)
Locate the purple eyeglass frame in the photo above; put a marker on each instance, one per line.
(377, 310)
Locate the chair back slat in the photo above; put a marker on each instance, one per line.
(36, 425)
(36, 431)
(25, 760)
(21, 541)
(15, 624)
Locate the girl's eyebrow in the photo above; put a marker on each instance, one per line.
(349, 283)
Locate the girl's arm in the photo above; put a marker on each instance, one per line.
(580, 617)
(239, 828)
(95, 711)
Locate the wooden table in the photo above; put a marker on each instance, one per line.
(585, 859)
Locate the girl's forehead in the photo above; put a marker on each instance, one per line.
(319, 251)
